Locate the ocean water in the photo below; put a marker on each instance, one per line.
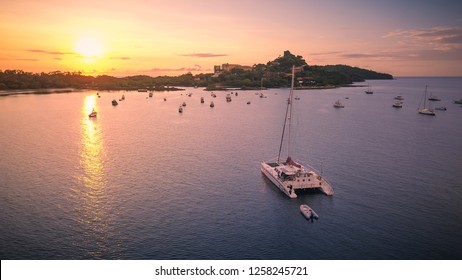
(142, 181)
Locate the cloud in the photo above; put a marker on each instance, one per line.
(436, 38)
(120, 57)
(20, 59)
(182, 69)
(49, 52)
(203, 55)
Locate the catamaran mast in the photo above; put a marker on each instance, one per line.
(288, 117)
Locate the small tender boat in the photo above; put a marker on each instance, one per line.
(92, 114)
(308, 212)
(114, 102)
(399, 97)
(150, 94)
(202, 99)
(180, 110)
(338, 104)
(228, 98)
(184, 104)
(442, 108)
(458, 101)
(248, 102)
(212, 104)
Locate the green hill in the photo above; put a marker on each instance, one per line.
(274, 74)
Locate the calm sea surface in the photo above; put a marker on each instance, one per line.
(142, 181)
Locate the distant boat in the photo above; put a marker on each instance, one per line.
(122, 98)
(338, 104)
(458, 101)
(92, 114)
(442, 108)
(184, 104)
(212, 104)
(114, 102)
(308, 212)
(434, 98)
(180, 110)
(150, 94)
(369, 90)
(398, 104)
(228, 98)
(425, 110)
(202, 100)
(165, 99)
(399, 97)
(248, 102)
(289, 175)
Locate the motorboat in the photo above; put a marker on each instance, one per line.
(308, 212)
(398, 104)
(399, 97)
(114, 102)
(434, 98)
(212, 104)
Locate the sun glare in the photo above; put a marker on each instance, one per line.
(89, 47)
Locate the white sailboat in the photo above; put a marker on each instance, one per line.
(289, 175)
(425, 110)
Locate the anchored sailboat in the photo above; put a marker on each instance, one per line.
(289, 175)
(425, 110)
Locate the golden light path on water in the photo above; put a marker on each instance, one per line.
(93, 209)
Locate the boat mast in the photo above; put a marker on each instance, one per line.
(425, 97)
(288, 116)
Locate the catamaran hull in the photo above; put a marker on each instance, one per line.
(305, 180)
(272, 175)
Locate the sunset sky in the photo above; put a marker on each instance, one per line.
(173, 37)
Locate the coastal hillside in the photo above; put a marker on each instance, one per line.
(273, 74)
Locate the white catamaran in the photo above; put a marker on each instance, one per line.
(290, 176)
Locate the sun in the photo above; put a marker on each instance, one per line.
(89, 47)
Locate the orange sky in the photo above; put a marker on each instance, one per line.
(120, 38)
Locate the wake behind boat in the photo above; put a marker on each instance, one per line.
(289, 175)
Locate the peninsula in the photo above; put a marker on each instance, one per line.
(274, 74)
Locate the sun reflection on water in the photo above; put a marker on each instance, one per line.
(93, 210)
